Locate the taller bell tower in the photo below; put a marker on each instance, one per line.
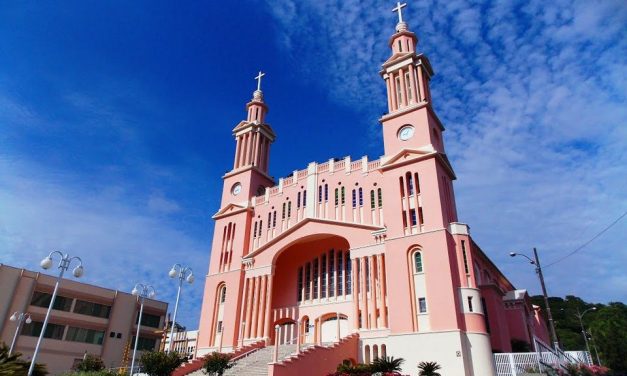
(253, 136)
(410, 122)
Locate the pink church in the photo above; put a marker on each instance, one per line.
(365, 257)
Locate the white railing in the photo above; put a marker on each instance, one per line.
(514, 364)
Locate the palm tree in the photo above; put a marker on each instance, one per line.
(429, 369)
(387, 364)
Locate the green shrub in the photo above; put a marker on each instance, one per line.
(156, 363)
(12, 365)
(429, 369)
(216, 363)
(90, 363)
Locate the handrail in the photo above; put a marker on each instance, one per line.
(246, 354)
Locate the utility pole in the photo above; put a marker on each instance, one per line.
(546, 299)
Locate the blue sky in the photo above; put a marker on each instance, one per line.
(116, 119)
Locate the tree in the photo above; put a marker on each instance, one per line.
(387, 364)
(429, 369)
(216, 363)
(156, 363)
(90, 363)
(609, 331)
(12, 365)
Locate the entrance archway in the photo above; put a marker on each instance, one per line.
(329, 328)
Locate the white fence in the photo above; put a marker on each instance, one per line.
(545, 359)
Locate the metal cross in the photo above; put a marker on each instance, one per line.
(398, 9)
(258, 78)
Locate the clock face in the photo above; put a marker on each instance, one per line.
(406, 133)
(237, 188)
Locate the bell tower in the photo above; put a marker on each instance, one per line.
(410, 122)
(249, 176)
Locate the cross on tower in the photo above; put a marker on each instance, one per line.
(258, 78)
(398, 9)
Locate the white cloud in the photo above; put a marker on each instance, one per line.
(533, 95)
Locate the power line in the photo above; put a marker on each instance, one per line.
(588, 242)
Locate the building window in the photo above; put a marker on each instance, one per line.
(412, 217)
(410, 184)
(219, 330)
(223, 294)
(331, 273)
(354, 198)
(343, 196)
(340, 267)
(348, 270)
(289, 209)
(326, 192)
(372, 199)
(319, 193)
(397, 80)
(470, 308)
(465, 257)
(274, 219)
(144, 343)
(308, 281)
(260, 227)
(410, 97)
(417, 182)
(323, 277)
(367, 271)
(361, 197)
(315, 279)
(92, 309)
(418, 262)
(485, 314)
(255, 231)
(421, 217)
(380, 197)
(422, 305)
(42, 299)
(298, 200)
(304, 198)
(53, 331)
(75, 334)
(337, 197)
(283, 211)
(299, 293)
(149, 320)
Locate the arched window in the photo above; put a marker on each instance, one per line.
(383, 352)
(354, 198)
(380, 197)
(343, 196)
(289, 209)
(304, 198)
(283, 211)
(367, 354)
(410, 184)
(361, 197)
(298, 200)
(375, 352)
(337, 197)
(319, 193)
(326, 192)
(372, 199)
(255, 231)
(418, 262)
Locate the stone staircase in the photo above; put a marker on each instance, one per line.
(255, 364)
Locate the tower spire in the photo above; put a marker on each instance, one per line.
(401, 25)
(257, 109)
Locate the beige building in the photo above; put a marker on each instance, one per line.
(184, 342)
(85, 318)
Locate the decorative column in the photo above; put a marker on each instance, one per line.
(403, 87)
(275, 354)
(338, 326)
(249, 311)
(394, 98)
(355, 293)
(262, 305)
(266, 326)
(373, 293)
(383, 295)
(364, 292)
(242, 314)
(298, 331)
(255, 314)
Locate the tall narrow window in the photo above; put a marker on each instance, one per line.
(379, 197)
(255, 231)
(323, 276)
(470, 308)
(326, 192)
(283, 211)
(269, 219)
(410, 97)
(465, 257)
(308, 281)
(331, 273)
(410, 184)
(343, 196)
(422, 305)
(412, 217)
(485, 314)
(417, 181)
(402, 184)
(421, 217)
(274, 219)
(418, 262)
(337, 197)
(372, 199)
(348, 273)
(319, 193)
(354, 198)
(404, 218)
(361, 197)
(304, 198)
(298, 200)
(223, 294)
(315, 279)
(289, 209)
(260, 227)
(299, 293)
(399, 98)
(340, 267)
(367, 271)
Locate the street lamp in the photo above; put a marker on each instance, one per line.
(583, 330)
(142, 292)
(536, 262)
(183, 273)
(64, 264)
(21, 318)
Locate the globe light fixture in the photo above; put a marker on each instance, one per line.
(142, 292)
(64, 265)
(184, 273)
(21, 318)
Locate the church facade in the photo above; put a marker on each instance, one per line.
(363, 246)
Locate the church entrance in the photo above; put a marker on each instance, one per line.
(329, 329)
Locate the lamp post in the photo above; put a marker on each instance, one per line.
(64, 265)
(583, 330)
(536, 262)
(183, 273)
(21, 318)
(142, 292)
(594, 345)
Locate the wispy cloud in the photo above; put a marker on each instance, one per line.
(533, 95)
